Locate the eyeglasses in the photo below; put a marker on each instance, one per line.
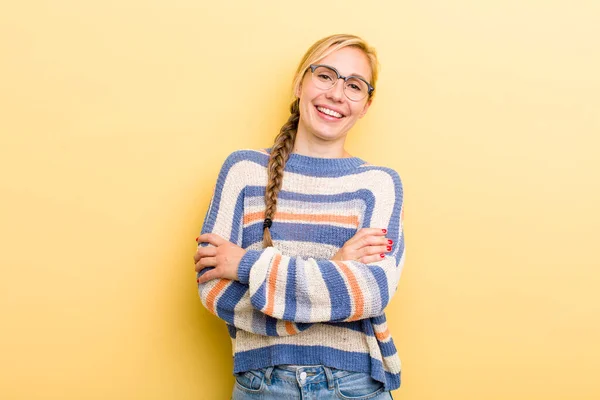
(325, 77)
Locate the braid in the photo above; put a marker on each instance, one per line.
(283, 146)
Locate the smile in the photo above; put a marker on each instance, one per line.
(329, 112)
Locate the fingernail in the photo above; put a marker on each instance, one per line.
(197, 238)
(384, 230)
(390, 242)
(389, 248)
(198, 280)
(382, 255)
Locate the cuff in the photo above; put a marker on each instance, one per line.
(246, 264)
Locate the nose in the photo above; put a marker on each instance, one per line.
(336, 93)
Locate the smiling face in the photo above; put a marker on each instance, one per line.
(328, 115)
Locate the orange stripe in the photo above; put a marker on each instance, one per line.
(260, 215)
(355, 292)
(382, 336)
(272, 280)
(289, 328)
(214, 292)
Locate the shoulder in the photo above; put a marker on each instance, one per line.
(244, 161)
(381, 173)
(242, 168)
(246, 155)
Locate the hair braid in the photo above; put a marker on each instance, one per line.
(282, 148)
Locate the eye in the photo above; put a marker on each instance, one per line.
(325, 77)
(355, 86)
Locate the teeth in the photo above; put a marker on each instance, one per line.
(329, 112)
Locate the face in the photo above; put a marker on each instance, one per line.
(328, 115)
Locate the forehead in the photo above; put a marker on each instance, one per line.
(349, 61)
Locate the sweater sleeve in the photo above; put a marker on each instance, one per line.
(230, 300)
(309, 290)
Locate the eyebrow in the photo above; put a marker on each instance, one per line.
(359, 76)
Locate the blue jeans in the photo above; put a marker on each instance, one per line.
(285, 382)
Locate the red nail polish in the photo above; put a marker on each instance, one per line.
(390, 242)
(389, 248)
(198, 280)
(197, 238)
(384, 230)
(382, 255)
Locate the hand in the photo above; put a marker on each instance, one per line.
(369, 245)
(224, 257)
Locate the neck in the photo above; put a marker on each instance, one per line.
(311, 146)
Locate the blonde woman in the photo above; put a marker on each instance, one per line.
(302, 246)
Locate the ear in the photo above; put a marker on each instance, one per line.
(299, 90)
(366, 108)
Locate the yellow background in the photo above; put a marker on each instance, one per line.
(115, 117)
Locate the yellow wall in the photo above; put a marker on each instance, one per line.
(115, 117)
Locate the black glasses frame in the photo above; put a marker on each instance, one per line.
(345, 78)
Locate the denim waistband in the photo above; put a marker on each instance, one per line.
(304, 374)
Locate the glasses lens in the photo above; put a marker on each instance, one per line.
(356, 89)
(324, 77)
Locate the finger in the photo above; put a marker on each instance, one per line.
(373, 250)
(369, 241)
(372, 259)
(206, 262)
(366, 232)
(212, 274)
(206, 251)
(211, 238)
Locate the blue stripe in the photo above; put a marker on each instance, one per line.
(259, 322)
(338, 295)
(382, 283)
(302, 326)
(246, 264)
(232, 330)
(227, 302)
(325, 234)
(347, 166)
(259, 298)
(353, 325)
(204, 270)
(388, 348)
(290, 292)
(271, 326)
(238, 220)
(393, 381)
(296, 354)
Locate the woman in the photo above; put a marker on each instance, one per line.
(302, 245)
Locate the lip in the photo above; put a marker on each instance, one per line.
(337, 110)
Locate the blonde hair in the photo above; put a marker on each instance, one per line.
(284, 142)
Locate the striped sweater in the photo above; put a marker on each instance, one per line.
(292, 304)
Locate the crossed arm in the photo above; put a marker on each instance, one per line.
(266, 292)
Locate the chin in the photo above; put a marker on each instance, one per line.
(329, 136)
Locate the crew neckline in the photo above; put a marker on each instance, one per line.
(322, 164)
